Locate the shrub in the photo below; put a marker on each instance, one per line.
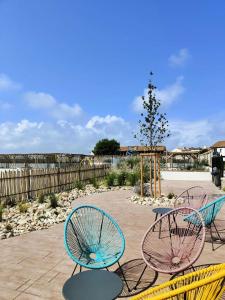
(94, 182)
(23, 207)
(10, 201)
(1, 212)
(171, 196)
(41, 198)
(121, 178)
(53, 200)
(132, 162)
(110, 179)
(132, 178)
(79, 185)
(8, 227)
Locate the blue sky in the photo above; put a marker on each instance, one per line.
(72, 72)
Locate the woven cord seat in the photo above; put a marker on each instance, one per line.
(172, 243)
(206, 284)
(194, 197)
(92, 238)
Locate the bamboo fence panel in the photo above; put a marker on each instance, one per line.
(30, 183)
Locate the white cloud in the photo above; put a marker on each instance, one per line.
(167, 95)
(7, 84)
(195, 133)
(64, 110)
(171, 92)
(179, 59)
(63, 136)
(47, 102)
(39, 100)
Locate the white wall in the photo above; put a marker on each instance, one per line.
(176, 175)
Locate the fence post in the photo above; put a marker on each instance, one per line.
(28, 184)
(58, 179)
(79, 173)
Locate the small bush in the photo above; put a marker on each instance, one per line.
(132, 178)
(94, 182)
(121, 178)
(79, 185)
(41, 198)
(110, 179)
(23, 207)
(10, 201)
(8, 227)
(171, 196)
(1, 212)
(53, 200)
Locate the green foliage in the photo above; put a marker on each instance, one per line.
(8, 227)
(110, 179)
(153, 128)
(171, 196)
(41, 198)
(53, 200)
(198, 166)
(79, 185)
(121, 178)
(106, 147)
(128, 163)
(94, 182)
(10, 201)
(1, 211)
(23, 207)
(132, 178)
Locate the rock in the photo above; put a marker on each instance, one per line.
(2, 236)
(9, 234)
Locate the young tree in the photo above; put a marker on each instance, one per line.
(106, 147)
(153, 128)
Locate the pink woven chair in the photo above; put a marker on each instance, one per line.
(194, 197)
(173, 244)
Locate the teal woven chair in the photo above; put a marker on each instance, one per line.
(92, 238)
(209, 213)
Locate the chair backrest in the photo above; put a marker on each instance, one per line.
(194, 197)
(92, 238)
(172, 244)
(211, 210)
(206, 284)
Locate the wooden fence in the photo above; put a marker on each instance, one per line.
(30, 183)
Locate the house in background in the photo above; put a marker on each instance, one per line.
(220, 148)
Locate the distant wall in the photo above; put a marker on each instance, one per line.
(184, 175)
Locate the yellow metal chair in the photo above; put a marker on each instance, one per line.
(206, 284)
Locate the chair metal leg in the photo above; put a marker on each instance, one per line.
(74, 270)
(210, 228)
(156, 217)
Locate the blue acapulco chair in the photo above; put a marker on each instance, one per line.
(209, 213)
(92, 238)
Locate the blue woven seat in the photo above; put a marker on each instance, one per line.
(92, 238)
(209, 213)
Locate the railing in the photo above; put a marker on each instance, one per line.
(30, 183)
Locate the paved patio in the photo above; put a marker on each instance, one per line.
(35, 265)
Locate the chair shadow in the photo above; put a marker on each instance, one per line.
(130, 273)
